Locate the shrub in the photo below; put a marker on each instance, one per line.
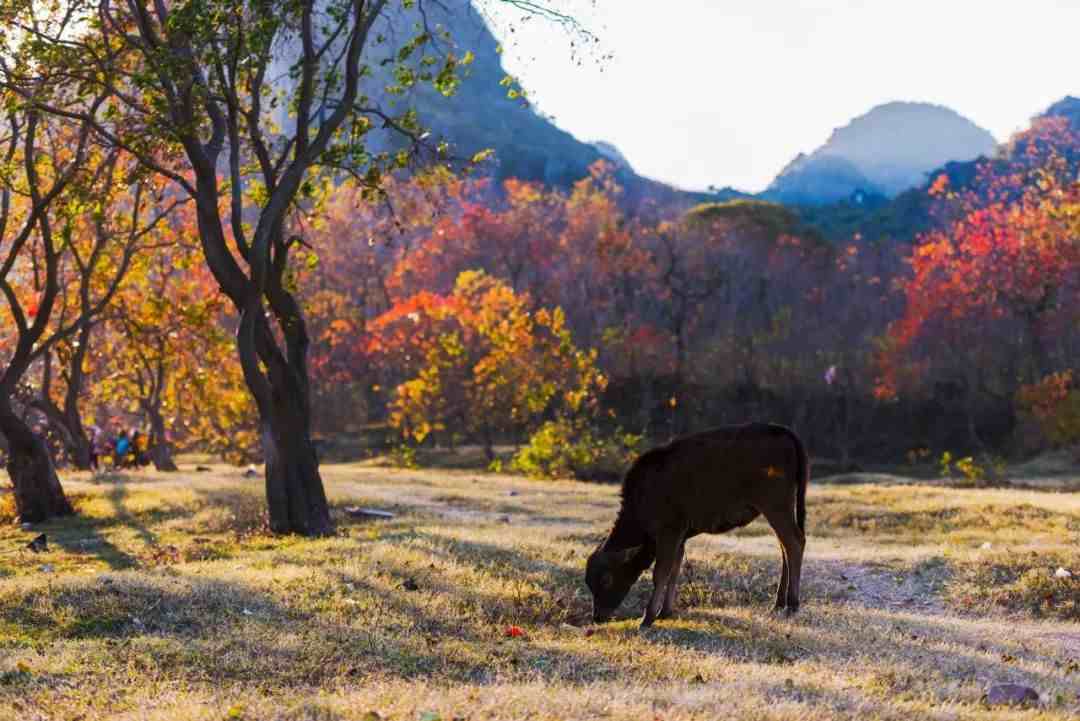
(403, 456)
(1054, 405)
(973, 472)
(563, 449)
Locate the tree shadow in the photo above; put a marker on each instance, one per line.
(116, 497)
(82, 536)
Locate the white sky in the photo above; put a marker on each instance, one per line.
(727, 92)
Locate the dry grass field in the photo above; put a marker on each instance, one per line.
(165, 599)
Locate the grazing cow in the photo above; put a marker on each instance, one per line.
(708, 482)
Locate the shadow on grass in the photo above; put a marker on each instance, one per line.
(320, 624)
(330, 626)
(116, 497)
(83, 536)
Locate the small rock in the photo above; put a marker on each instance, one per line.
(47, 568)
(410, 584)
(1010, 694)
(203, 469)
(512, 493)
(1062, 573)
(986, 546)
(250, 471)
(504, 519)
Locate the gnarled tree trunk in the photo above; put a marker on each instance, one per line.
(38, 493)
(294, 489)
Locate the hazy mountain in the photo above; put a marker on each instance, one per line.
(1068, 108)
(903, 217)
(884, 152)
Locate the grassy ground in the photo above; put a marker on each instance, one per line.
(165, 599)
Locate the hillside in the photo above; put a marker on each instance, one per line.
(888, 150)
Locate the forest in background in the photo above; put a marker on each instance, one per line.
(450, 309)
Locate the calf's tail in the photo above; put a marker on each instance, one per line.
(802, 477)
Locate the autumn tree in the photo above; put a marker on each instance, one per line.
(347, 278)
(510, 232)
(41, 160)
(108, 234)
(165, 354)
(991, 299)
(271, 93)
(485, 366)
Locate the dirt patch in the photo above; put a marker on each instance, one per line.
(917, 589)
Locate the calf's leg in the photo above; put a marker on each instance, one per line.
(668, 610)
(792, 539)
(795, 570)
(782, 585)
(667, 551)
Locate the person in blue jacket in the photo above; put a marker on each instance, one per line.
(122, 448)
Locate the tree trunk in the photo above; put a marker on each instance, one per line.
(38, 493)
(160, 449)
(489, 446)
(70, 427)
(294, 488)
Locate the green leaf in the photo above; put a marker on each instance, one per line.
(483, 155)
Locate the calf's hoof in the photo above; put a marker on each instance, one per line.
(666, 614)
(792, 609)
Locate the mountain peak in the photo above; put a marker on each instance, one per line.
(885, 151)
(1068, 108)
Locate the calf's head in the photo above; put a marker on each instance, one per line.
(609, 576)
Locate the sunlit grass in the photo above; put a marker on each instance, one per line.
(166, 599)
